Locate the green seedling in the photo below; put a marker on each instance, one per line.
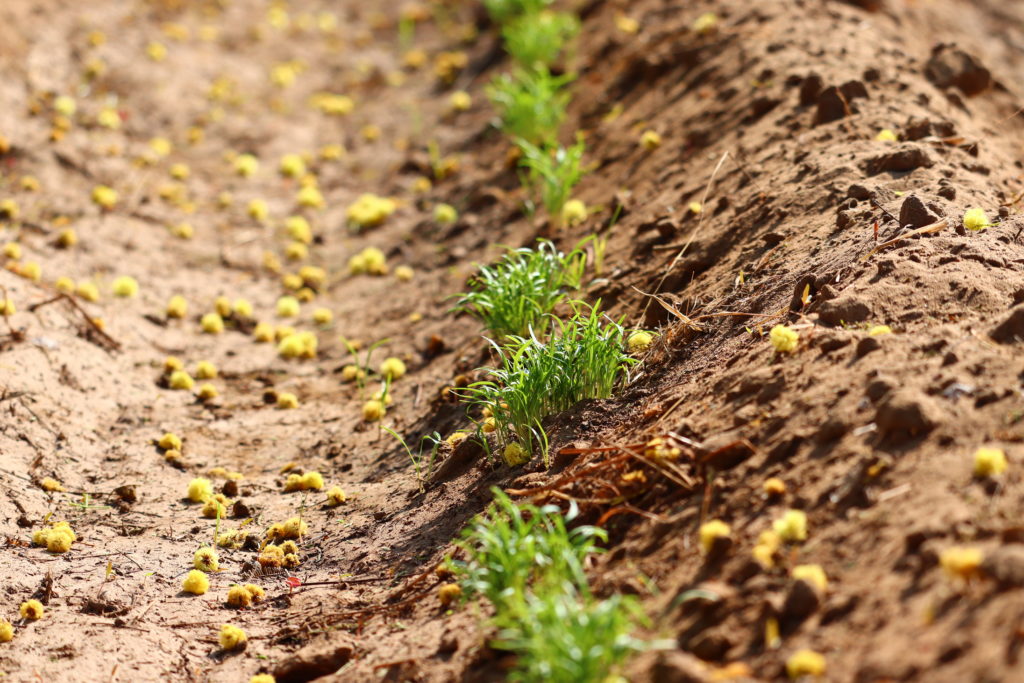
(536, 39)
(599, 245)
(552, 173)
(417, 460)
(437, 162)
(511, 546)
(85, 505)
(216, 529)
(529, 563)
(513, 296)
(406, 32)
(385, 390)
(531, 103)
(413, 458)
(363, 369)
(599, 241)
(585, 357)
(563, 638)
(435, 440)
(503, 11)
(375, 409)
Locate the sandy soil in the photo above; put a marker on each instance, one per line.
(770, 122)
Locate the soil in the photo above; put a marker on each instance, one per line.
(770, 122)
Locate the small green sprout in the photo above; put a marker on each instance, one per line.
(358, 371)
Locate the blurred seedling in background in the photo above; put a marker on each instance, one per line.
(531, 103)
(362, 369)
(552, 173)
(85, 505)
(406, 32)
(599, 243)
(536, 39)
(441, 166)
(503, 11)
